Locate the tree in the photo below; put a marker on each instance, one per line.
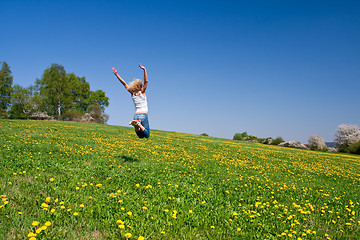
(55, 90)
(316, 143)
(99, 97)
(20, 102)
(6, 81)
(346, 135)
(80, 92)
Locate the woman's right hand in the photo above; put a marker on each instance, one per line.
(114, 71)
(142, 67)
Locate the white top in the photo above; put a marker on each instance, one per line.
(140, 103)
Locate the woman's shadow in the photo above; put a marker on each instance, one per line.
(129, 159)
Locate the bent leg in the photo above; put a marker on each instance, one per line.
(144, 129)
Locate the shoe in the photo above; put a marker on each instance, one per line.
(135, 122)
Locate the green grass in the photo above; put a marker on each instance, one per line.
(83, 178)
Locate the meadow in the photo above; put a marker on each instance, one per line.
(63, 180)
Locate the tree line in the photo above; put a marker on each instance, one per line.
(347, 140)
(56, 95)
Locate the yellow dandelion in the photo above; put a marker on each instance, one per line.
(31, 234)
(48, 223)
(129, 213)
(35, 223)
(82, 205)
(75, 214)
(128, 235)
(190, 211)
(141, 238)
(213, 227)
(121, 226)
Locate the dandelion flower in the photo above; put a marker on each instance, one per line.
(75, 214)
(35, 223)
(129, 213)
(48, 223)
(128, 235)
(31, 234)
(141, 238)
(213, 227)
(121, 226)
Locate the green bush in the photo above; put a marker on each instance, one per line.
(277, 141)
(267, 140)
(240, 136)
(355, 148)
(72, 115)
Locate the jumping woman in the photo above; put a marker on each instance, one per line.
(137, 90)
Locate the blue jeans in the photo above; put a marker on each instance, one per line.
(143, 117)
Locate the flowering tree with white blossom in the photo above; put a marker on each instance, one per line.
(346, 135)
(316, 143)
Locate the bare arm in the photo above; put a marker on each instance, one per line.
(145, 78)
(120, 79)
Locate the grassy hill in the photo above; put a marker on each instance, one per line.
(62, 180)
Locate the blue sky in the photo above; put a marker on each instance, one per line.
(271, 68)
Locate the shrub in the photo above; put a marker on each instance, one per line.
(96, 112)
(355, 148)
(317, 143)
(268, 140)
(346, 135)
(204, 134)
(240, 136)
(72, 115)
(277, 141)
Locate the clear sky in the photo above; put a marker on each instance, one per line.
(271, 68)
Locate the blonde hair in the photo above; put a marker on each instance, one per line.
(135, 85)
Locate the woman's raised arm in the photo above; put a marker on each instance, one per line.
(120, 79)
(145, 78)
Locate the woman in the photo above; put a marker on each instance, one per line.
(137, 90)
